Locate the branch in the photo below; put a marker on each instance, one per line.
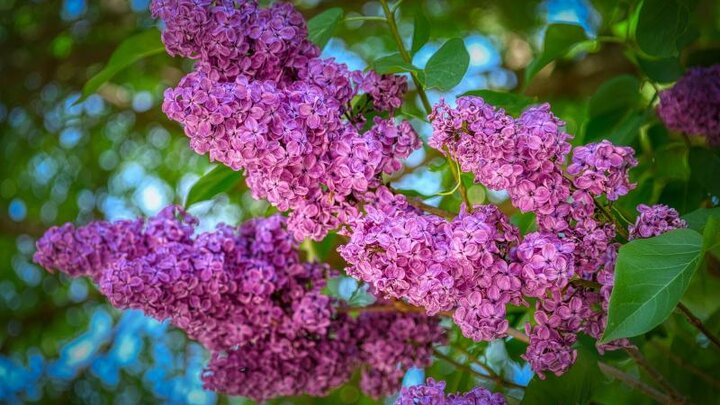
(635, 384)
(390, 16)
(499, 380)
(682, 363)
(697, 323)
(655, 374)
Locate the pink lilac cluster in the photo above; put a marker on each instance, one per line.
(431, 262)
(261, 100)
(692, 105)
(602, 169)
(433, 393)
(246, 295)
(655, 220)
(476, 264)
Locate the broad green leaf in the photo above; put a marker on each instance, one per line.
(392, 63)
(218, 180)
(661, 23)
(131, 50)
(651, 276)
(512, 103)
(611, 111)
(322, 26)
(671, 162)
(447, 66)
(576, 386)
(526, 222)
(664, 70)
(711, 237)
(559, 39)
(697, 219)
(421, 32)
(705, 169)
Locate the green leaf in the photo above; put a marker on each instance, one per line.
(218, 180)
(131, 50)
(392, 63)
(711, 237)
(421, 32)
(526, 222)
(661, 23)
(447, 66)
(705, 169)
(651, 276)
(512, 103)
(697, 219)
(664, 70)
(576, 386)
(611, 111)
(559, 39)
(322, 26)
(671, 162)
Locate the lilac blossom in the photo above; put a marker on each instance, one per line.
(655, 220)
(692, 105)
(433, 393)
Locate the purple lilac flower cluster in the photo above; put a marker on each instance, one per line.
(655, 220)
(430, 261)
(477, 263)
(245, 294)
(260, 99)
(692, 105)
(433, 393)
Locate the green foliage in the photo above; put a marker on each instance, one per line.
(664, 70)
(705, 169)
(559, 39)
(421, 32)
(322, 26)
(513, 103)
(651, 276)
(393, 63)
(576, 386)
(131, 50)
(660, 26)
(447, 66)
(612, 112)
(218, 180)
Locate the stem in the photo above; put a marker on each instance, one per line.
(390, 17)
(365, 18)
(620, 230)
(655, 375)
(691, 368)
(516, 334)
(697, 323)
(491, 373)
(419, 204)
(635, 384)
(457, 174)
(464, 367)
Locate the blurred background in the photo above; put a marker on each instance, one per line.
(115, 155)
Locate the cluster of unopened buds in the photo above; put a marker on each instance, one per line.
(261, 100)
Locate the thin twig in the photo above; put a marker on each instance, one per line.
(516, 334)
(697, 323)
(390, 16)
(655, 374)
(365, 18)
(419, 204)
(464, 367)
(682, 363)
(635, 383)
(490, 372)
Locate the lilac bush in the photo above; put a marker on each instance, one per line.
(319, 142)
